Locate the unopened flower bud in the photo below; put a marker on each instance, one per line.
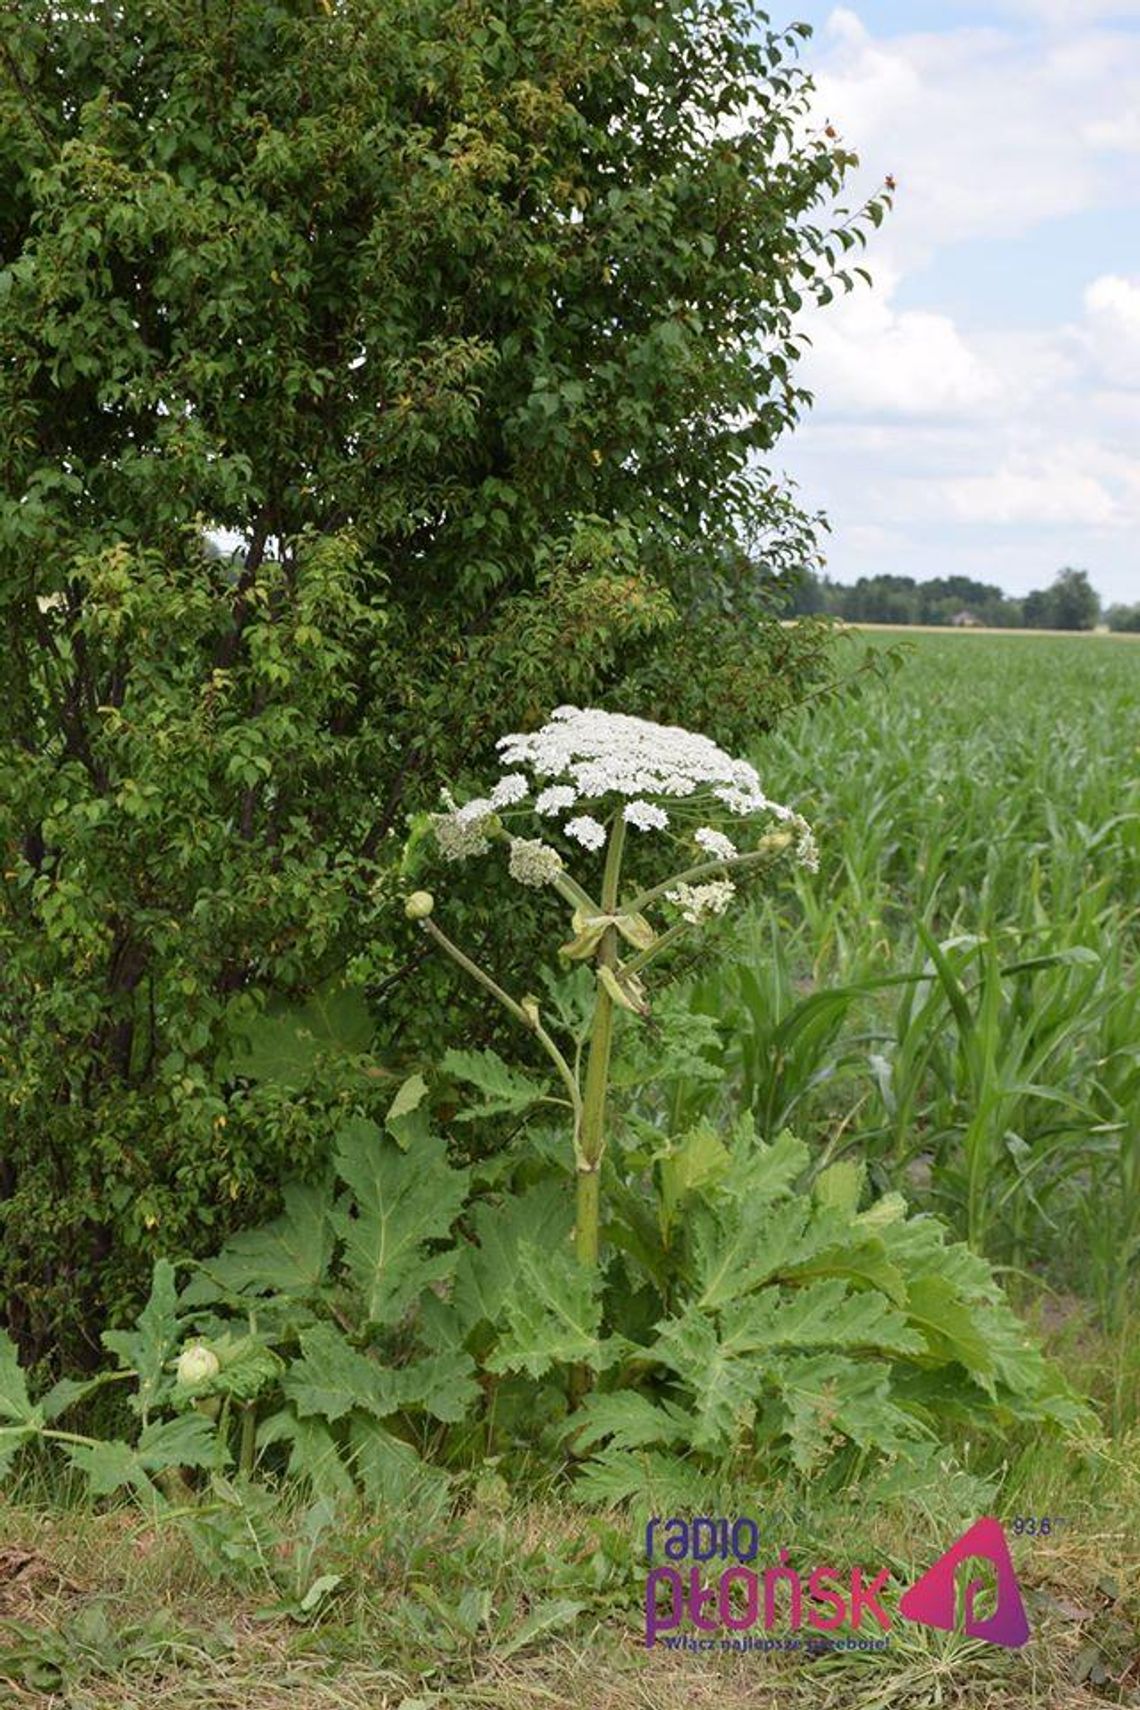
(419, 905)
(196, 1364)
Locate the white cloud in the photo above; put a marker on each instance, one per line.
(1050, 490)
(986, 441)
(987, 133)
(868, 358)
(1112, 317)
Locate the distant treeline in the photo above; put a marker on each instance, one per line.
(1069, 603)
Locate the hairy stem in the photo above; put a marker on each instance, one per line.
(593, 1140)
(525, 1014)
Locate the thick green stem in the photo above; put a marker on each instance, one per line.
(587, 1215)
(248, 1438)
(593, 1137)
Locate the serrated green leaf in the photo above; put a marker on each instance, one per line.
(443, 1385)
(505, 1089)
(391, 1474)
(67, 1391)
(822, 1315)
(402, 1201)
(651, 1481)
(840, 1185)
(331, 1378)
(553, 1312)
(724, 1386)
(288, 1256)
(742, 1245)
(918, 1246)
(188, 1441)
(629, 1420)
(1029, 1386)
(486, 1268)
(864, 1262)
(15, 1402)
(108, 1466)
(699, 1159)
(314, 1455)
(951, 1329)
(148, 1347)
(407, 1120)
(762, 1173)
(830, 1397)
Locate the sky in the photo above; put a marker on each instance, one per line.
(978, 408)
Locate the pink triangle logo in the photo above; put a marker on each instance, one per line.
(931, 1600)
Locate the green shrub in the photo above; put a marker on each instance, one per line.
(471, 329)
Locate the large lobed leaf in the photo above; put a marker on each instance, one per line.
(148, 1347)
(401, 1202)
(505, 1090)
(553, 1312)
(289, 1256)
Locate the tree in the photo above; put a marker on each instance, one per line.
(1121, 618)
(1070, 602)
(471, 321)
(1075, 603)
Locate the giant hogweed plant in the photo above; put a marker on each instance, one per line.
(713, 1317)
(596, 776)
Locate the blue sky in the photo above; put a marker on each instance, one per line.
(978, 410)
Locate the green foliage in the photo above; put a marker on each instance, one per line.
(553, 1312)
(332, 1281)
(742, 1320)
(954, 999)
(398, 1205)
(108, 1465)
(802, 1327)
(505, 1091)
(473, 329)
(285, 1042)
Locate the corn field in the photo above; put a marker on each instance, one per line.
(953, 997)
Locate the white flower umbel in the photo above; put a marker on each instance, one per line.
(555, 799)
(646, 816)
(603, 753)
(615, 775)
(510, 789)
(698, 902)
(714, 843)
(458, 838)
(586, 830)
(534, 862)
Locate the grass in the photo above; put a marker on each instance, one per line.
(953, 999)
(108, 1610)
